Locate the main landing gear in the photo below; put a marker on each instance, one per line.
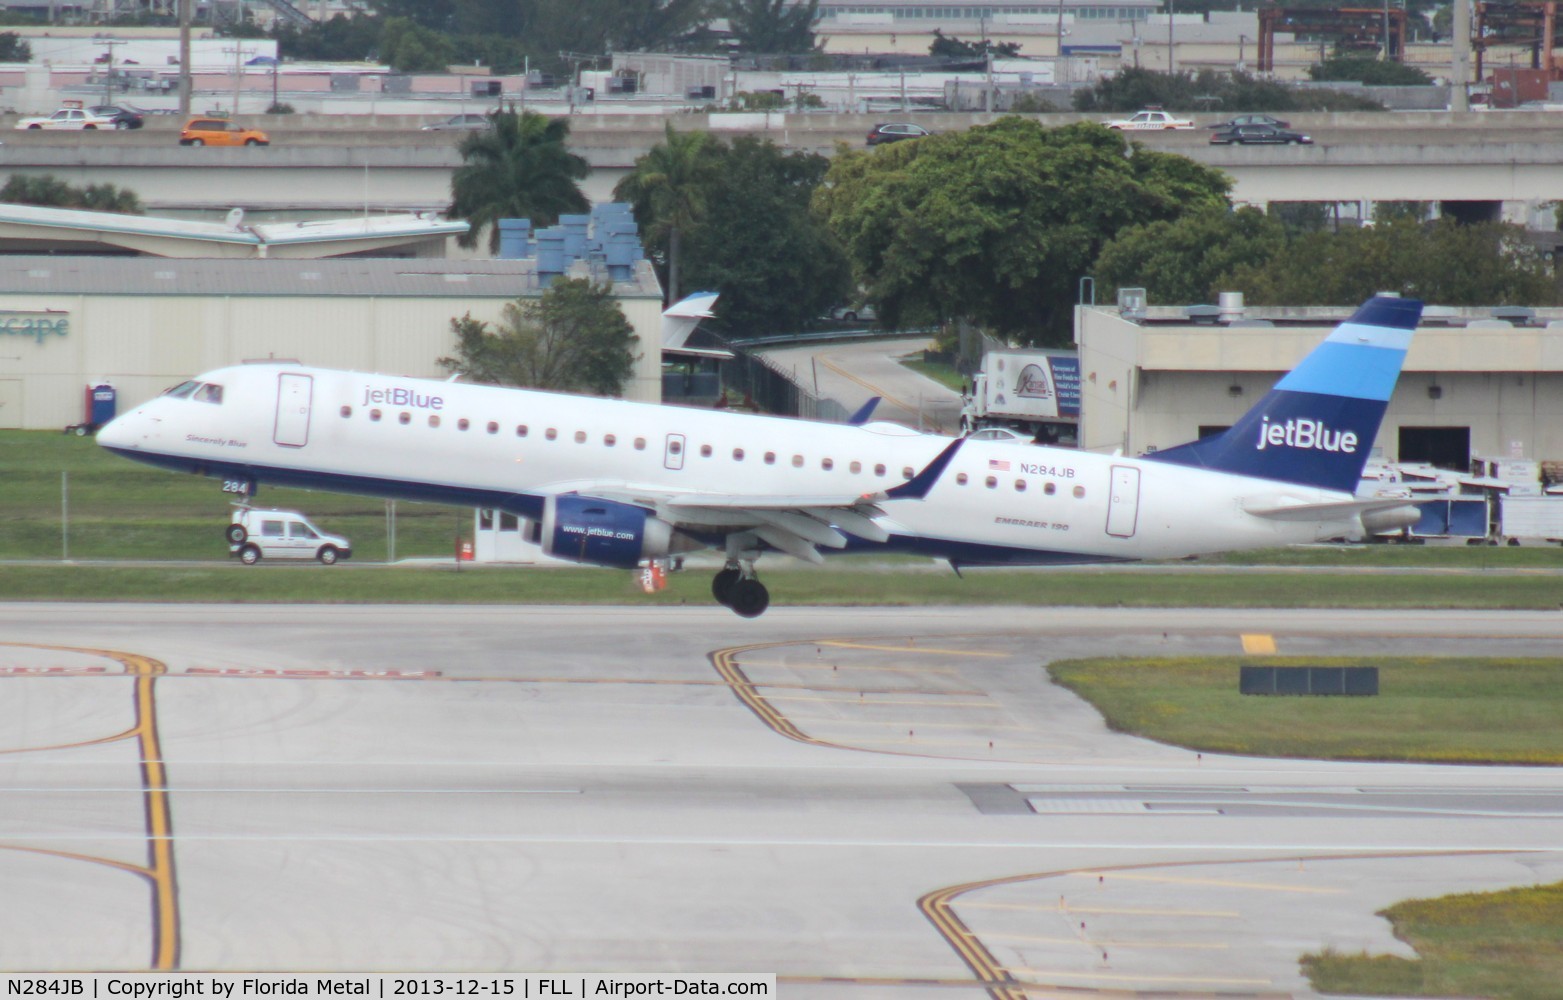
(737, 587)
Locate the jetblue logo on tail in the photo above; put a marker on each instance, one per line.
(1305, 433)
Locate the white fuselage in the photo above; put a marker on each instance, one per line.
(996, 502)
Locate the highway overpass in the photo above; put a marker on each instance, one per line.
(337, 164)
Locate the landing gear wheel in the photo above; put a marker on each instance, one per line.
(749, 598)
(249, 555)
(722, 584)
(237, 534)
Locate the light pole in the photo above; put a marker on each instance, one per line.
(1172, 62)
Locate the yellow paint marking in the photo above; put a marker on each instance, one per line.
(1229, 883)
(1258, 643)
(785, 665)
(1122, 911)
(929, 692)
(887, 702)
(921, 725)
(867, 385)
(1101, 943)
(1044, 974)
(842, 644)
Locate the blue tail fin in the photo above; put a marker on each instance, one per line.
(1316, 427)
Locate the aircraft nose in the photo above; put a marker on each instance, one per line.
(121, 432)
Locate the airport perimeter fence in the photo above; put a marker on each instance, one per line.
(773, 389)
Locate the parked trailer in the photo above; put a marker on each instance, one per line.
(1531, 518)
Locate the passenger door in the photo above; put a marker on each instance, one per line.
(1123, 507)
(673, 452)
(294, 392)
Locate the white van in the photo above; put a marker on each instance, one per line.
(281, 534)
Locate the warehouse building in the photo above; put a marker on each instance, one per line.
(1477, 383)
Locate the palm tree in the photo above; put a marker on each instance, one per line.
(667, 190)
(520, 168)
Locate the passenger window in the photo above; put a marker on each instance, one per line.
(434, 420)
(991, 482)
(609, 440)
(1079, 492)
(675, 447)
(770, 458)
(520, 430)
(493, 428)
(302, 531)
(879, 470)
(271, 529)
(960, 479)
(580, 437)
(1048, 489)
(347, 411)
(797, 461)
(855, 467)
(1020, 486)
(705, 451)
(551, 434)
(738, 454)
(827, 464)
(374, 414)
(907, 472)
(463, 424)
(404, 417)
(640, 444)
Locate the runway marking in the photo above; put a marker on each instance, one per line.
(783, 664)
(930, 692)
(1110, 943)
(1258, 643)
(844, 644)
(939, 905)
(1122, 977)
(1128, 911)
(1225, 883)
(159, 869)
(878, 702)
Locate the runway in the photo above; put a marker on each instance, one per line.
(866, 802)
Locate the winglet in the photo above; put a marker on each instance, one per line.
(918, 486)
(865, 411)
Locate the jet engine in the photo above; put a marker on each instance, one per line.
(1387, 520)
(603, 532)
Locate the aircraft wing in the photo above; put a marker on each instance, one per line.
(1327, 511)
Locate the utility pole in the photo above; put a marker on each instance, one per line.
(1172, 63)
(238, 73)
(108, 78)
(184, 59)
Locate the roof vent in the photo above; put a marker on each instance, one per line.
(1131, 303)
(1202, 315)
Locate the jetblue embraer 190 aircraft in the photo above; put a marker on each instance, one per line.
(617, 483)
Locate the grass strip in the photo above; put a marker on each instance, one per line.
(1505, 945)
(1443, 710)
(440, 583)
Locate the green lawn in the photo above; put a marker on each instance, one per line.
(1428, 709)
(944, 374)
(1500, 944)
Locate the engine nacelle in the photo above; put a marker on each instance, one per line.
(602, 532)
(1383, 522)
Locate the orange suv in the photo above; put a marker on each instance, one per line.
(220, 132)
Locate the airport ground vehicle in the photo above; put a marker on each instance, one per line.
(255, 534)
(894, 132)
(1149, 121)
(207, 131)
(1035, 393)
(1249, 135)
(67, 119)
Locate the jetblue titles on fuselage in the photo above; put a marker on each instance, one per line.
(399, 396)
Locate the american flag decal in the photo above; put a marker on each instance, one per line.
(994, 465)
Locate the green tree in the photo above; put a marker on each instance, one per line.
(411, 48)
(346, 39)
(775, 263)
(1133, 88)
(997, 224)
(1370, 72)
(46, 189)
(773, 26)
(573, 338)
(1443, 262)
(1187, 260)
(954, 49)
(520, 168)
(666, 189)
(13, 49)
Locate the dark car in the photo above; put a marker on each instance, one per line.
(1237, 120)
(1248, 135)
(123, 115)
(895, 132)
(460, 122)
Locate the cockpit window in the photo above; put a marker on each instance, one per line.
(182, 390)
(209, 392)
